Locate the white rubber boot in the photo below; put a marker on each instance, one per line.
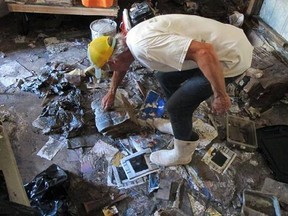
(180, 155)
(165, 126)
(161, 124)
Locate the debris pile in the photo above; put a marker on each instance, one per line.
(260, 87)
(113, 147)
(137, 125)
(118, 122)
(63, 113)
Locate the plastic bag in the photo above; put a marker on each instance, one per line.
(47, 192)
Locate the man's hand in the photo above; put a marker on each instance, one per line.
(221, 104)
(108, 101)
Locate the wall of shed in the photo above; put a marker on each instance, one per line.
(274, 13)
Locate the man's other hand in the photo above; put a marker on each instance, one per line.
(221, 104)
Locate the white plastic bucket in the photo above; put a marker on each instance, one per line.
(101, 27)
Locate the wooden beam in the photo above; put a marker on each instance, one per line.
(66, 10)
(10, 170)
(254, 7)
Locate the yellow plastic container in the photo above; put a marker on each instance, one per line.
(98, 3)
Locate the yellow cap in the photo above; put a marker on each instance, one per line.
(99, 50)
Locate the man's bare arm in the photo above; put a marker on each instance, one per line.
(120, 65)
(207, 60)
(108, 99)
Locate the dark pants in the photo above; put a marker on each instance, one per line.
(184, 91)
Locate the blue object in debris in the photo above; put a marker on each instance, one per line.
(153, 107)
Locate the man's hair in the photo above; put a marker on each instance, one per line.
(120, 46)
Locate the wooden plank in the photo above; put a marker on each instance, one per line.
(66, 10)
(251, 5)
(10, 170)
(254, 7)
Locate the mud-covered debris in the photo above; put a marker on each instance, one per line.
(117, 122)
(102, 148)
(219, 158)
(62, 116)
(51, 148)
(53, 45)
(52, 81)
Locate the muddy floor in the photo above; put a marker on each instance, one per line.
(204, 191)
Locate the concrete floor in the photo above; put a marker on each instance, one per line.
(27, 56)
